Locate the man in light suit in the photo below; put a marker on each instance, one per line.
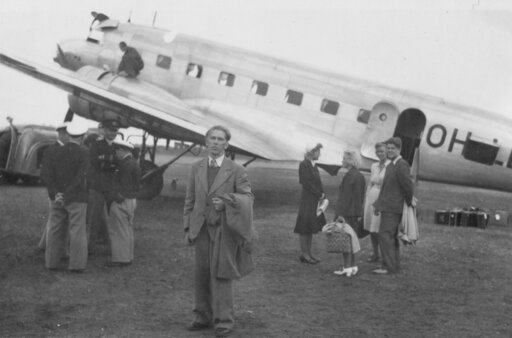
(397, 188)
(218, 221)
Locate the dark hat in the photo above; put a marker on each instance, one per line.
(111, 124)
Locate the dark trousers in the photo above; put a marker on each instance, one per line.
(96, 217)
(213, 296)
(388, 241)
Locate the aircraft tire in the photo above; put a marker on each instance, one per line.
(10, 178)
(30, 180)
(151, 187)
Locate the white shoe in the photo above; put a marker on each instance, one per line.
(341, 272)
(354, 270)
(350, 271)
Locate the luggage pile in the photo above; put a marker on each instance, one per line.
(464, 217)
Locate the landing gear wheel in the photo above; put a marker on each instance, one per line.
(152, 186)
(10, 178)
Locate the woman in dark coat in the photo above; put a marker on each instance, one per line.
(350, 204)
(312, 192)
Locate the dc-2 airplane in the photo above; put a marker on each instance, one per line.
(274, 108)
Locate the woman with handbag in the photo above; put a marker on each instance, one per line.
(307, 222)
(350, 204)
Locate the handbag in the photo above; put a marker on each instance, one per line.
(336, 240)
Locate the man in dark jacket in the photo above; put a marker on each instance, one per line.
(48, 157)
(99, 178)
(397, 188)
(131, 62)
(66, 183)
(121, 204)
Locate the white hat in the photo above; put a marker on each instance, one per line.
(63, 125)
(121, 143)
(76, 130)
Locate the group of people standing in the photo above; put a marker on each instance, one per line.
(375, 208)
(89, 190)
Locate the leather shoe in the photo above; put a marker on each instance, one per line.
(303, 259)
(380, 271)
(341, 272)
(373, 259)
(222, 332)
(197, 326)
(316, 260)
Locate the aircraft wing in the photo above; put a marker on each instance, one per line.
(255, 133)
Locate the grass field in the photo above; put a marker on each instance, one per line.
(456, 282)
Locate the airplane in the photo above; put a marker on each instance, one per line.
(274, 108)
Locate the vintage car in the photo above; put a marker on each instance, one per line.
(21, 152)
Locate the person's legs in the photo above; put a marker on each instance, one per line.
(77, 236)
(303, 241)
(203, 293)
(222, 303)
(374, 237)
(387, 241)
(55, 235)
(120, 232)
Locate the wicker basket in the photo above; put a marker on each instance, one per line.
(338, 242)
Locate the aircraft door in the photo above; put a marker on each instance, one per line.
(380, 127)
(409, 128)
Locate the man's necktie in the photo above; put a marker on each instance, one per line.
(213, 164)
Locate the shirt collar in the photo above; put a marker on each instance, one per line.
(396, 159)
(313, 162)
(60, 142)
(219, 160)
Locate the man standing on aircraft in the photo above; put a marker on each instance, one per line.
(131, 62)
(397, 188)
(100, 175)
(49, 154)
(121, 205)
(66, 182)
(100, 17)
(218, 221)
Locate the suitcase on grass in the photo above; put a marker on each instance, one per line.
(442, 217)
(473, 218)
(454, 219)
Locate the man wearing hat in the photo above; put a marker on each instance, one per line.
(49, 153)
(397, 188)
(121, 204)
(99, 178)
(66, 184)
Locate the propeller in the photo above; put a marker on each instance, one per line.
(61, 58)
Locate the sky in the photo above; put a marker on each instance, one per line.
(458, 50)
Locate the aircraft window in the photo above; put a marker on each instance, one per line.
(226, 79)
(294, 97)
(363, 116)
(163, 61)
(194, 70)
(259, 88)
(479, 150)
(330, 107)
